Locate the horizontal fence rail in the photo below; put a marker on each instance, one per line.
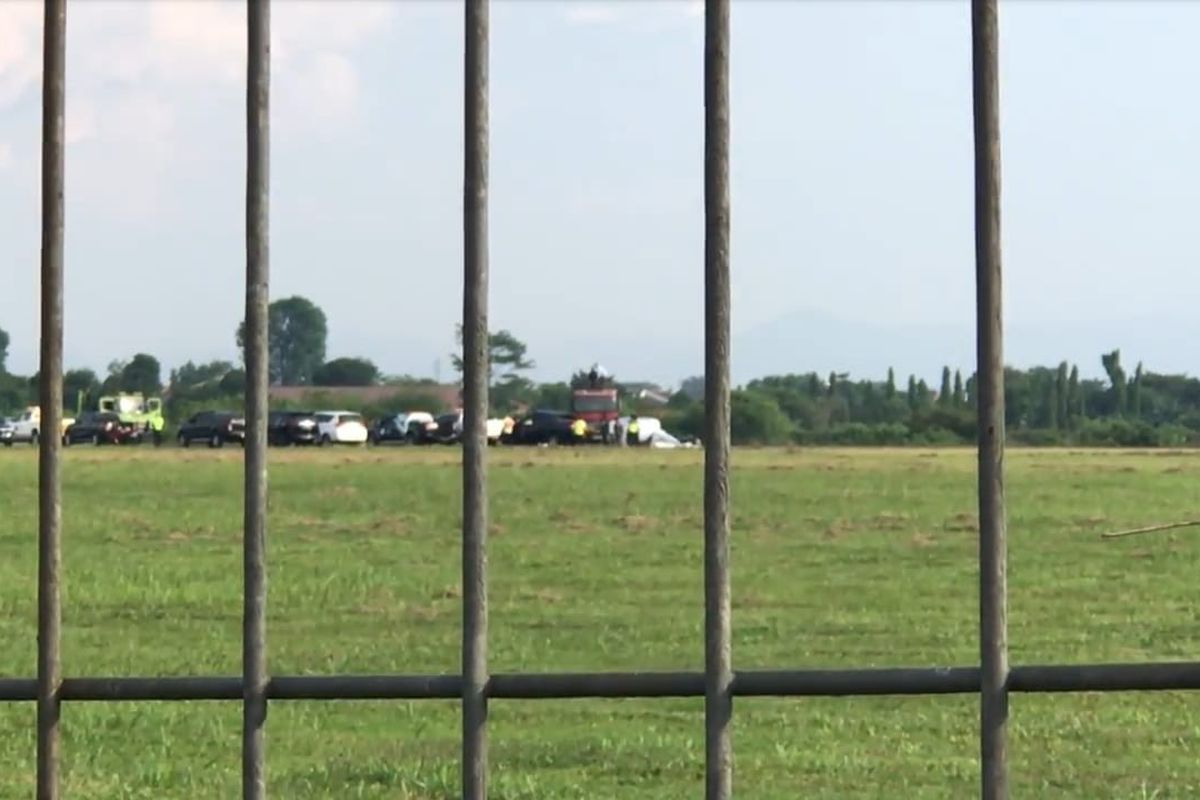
(897, 681)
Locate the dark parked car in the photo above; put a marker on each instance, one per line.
(449, 428)
(101, 427)
(214, 427)
(291, 427)
(412, 427)
(542, 427)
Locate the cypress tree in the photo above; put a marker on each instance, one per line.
(913, 402)
(1060, 390)
(1116, 377)
(1074, 397)
(960, 398)
(945, 393)
(889, 388)
(1136, 393)
(1052, 417)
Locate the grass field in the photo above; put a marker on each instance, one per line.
(862, 558)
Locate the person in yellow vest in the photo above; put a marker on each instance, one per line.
(579, 429)
(156, 429)
(632, 430)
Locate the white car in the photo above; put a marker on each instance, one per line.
(27, 427)
(340, 427)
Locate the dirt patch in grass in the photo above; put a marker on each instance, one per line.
(636, 523)
(838, 528)
(890, 521)
(961, 522)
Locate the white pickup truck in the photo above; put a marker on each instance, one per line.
(28, 426)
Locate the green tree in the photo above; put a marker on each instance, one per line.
(945, 393)
(889, 388)
(1061, 395)
(346, 372)
(1074, 396)
(1116, 376)
(960, 398)
(756, 419)
(80, 385)
(233, 382)
(297, 331)
(1136, 392)
(507, 355)
(693, 387)
(553, 397)
(3, 352)
(142, 373)
(192, 377)
(1052, 419)
(914, 400)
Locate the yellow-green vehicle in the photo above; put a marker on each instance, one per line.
(135, 409)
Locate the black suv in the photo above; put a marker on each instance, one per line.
(103, 427)
(291, 427)
(214, 427)
(542, 427)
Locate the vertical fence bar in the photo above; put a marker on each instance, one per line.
(993, 547)
(718, 668)
(254, 612)
(475, 401)
(50, 399)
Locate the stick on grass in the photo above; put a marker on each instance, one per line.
(1151, 529)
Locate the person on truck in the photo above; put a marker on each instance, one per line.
(631, 431)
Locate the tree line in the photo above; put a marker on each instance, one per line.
(1044, 405)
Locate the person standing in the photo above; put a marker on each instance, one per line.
(632, 430)
(156, 429)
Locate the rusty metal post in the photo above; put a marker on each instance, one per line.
(475, 402)
(718, 668)
(50, 399)
(254, 612)
(993, 547)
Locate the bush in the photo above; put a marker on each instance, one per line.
(756, 419)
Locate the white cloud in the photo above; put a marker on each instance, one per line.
(135, 68)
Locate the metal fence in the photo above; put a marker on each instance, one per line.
(992, 680)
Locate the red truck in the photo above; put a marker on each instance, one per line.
(599, 408)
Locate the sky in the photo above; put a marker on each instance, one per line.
(851, 160)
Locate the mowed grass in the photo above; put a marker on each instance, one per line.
(840, 558)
